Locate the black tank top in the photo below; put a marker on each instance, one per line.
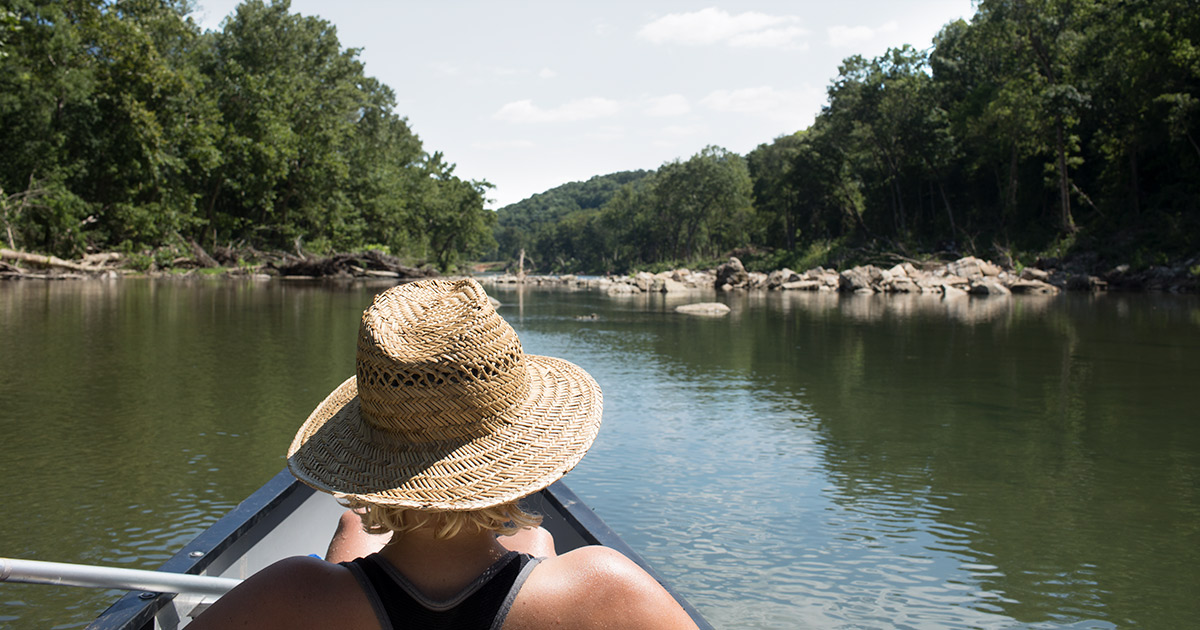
(482, 605)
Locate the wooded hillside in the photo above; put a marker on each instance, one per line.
(1040, 128)
(127, 128)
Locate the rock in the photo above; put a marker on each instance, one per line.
(901, 284)
(621, 288)
(955, 280)
(776, 279)
(756, 280)
(969, 267)
(987, 286)
(644, 280)
(1084, 282)
(801, 285)
(1032, 287)
(1033, 273)
(732, 274)
(859, 278)
(668, 285)
(708, 309)
(951, 291)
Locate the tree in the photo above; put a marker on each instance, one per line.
(450, 215)
(703, 205)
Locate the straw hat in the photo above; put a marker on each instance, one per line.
(445, 411)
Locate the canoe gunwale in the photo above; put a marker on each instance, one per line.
(596, 532)
(132, 611)
(137, 610)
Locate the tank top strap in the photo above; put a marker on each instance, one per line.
(483, 604)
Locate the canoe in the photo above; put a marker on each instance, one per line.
(287, 518)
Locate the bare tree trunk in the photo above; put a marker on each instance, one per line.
(1133, 181)
(1011, 200)
(1064, 188)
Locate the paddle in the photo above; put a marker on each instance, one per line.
(64, 574)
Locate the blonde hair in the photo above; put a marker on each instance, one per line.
(504, 519)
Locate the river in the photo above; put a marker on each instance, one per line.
(810, 460)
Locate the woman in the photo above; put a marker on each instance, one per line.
(444, 427)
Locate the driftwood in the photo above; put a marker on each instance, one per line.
(45, 261)
(370, 263)
(201, 257)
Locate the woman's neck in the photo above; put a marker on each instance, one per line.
(441, 568)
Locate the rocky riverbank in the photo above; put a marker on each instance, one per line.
(965, 276)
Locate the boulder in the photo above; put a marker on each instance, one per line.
(707, 309)
(972, 268)
(644, 280)
(756, 280)
(900, 284)
(801, 285)
(1033, 273)
(951, 291)
(667, 285)
(621, 288)
(861, 279)
(1032, 287)
(776, 279)
(987, 286)
(732, 274)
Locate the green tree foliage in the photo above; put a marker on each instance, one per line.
(548, 225)
(1038, 122)
(125, 125)
(687, 210)
(703, 205)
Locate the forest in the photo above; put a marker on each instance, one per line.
(126, 128)
(1038, 129)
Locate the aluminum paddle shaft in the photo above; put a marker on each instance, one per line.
(64, 574)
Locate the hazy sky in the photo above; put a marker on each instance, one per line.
(530, 95)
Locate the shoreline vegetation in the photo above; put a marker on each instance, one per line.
(1052, 136)
(967, 275)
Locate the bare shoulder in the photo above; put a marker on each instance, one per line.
(298, 592)
(594, 587)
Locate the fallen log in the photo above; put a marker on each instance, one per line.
(45, 261)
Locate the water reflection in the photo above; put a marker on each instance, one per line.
(988, 463)
(809, 460)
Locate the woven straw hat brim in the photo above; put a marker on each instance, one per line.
(530, 448)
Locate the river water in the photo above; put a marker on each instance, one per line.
(810, 460)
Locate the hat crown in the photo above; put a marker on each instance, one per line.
(436, 362)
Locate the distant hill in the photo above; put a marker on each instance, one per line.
(556, 203)
(517, 222)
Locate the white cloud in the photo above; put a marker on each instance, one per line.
(842, 36)
(525, 111)
(797, 107)
(669, 105)
(547, 73)
(611, 133)
(684, 131)
(771, 38)
(714, 26)
(504, 145)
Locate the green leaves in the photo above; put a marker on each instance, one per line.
(266, 133)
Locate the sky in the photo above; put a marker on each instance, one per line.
(532, 95)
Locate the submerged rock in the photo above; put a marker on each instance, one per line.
(709, 309)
